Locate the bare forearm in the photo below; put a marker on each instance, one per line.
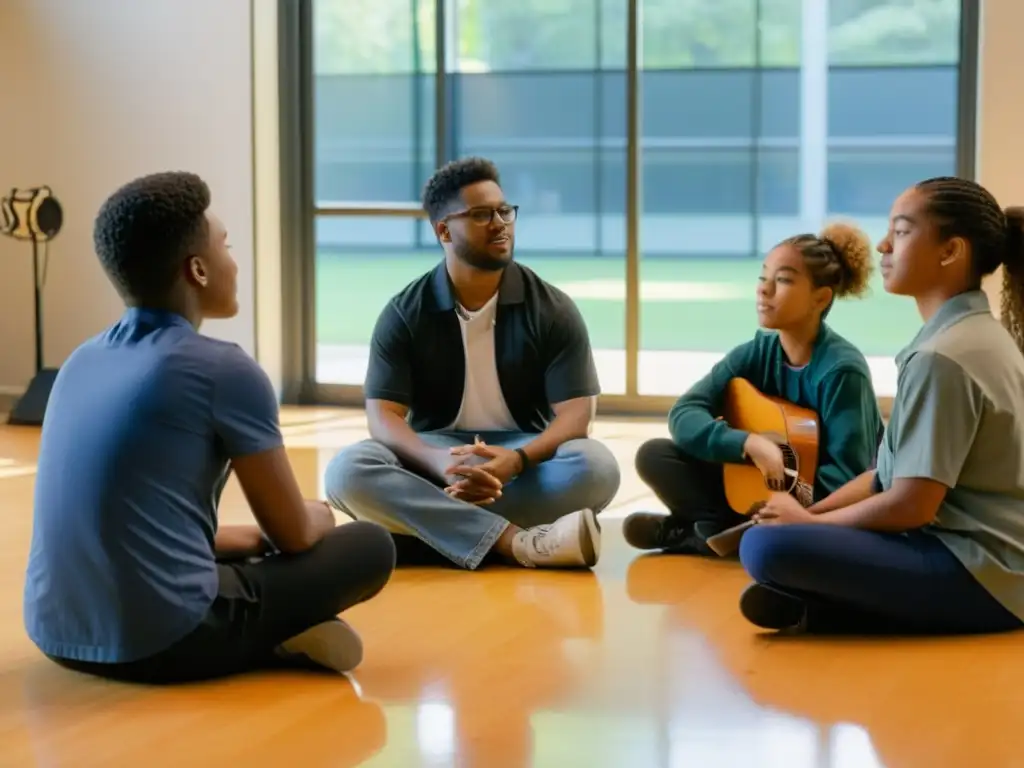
(886, 512)
(235, 541)
(854, 491)
(321, 517)
(570, 425)
(394, 431)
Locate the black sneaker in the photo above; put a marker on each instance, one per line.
(673, 535)
(768, 608)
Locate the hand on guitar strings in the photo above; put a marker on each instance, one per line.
(783, 509)
(482, 471)
(767, 457)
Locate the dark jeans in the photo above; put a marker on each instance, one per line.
(261, 604)
(691, 489)
(853, 580)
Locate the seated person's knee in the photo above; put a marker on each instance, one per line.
(652, 455)
(345, 480)
(598, 470)
(378, 547)
(770, 553)
(370, 543)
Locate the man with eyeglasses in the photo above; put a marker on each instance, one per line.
(480, 396)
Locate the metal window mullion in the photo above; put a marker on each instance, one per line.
(633, 195)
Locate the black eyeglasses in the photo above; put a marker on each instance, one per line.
(483, 215)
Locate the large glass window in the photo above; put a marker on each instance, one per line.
(538, 93)
(373, 129)
(373, 144)
(762, 120)
(758, 119)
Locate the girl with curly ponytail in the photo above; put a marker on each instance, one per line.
(796, 356)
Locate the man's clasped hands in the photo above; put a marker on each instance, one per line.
(476, 473)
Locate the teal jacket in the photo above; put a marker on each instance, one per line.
(835, 384)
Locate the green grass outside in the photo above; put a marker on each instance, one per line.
(351, 290)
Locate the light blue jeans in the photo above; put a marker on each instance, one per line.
(368, 482)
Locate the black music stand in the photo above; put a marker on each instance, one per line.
(34, 215)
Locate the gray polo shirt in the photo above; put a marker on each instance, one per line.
(958, 418)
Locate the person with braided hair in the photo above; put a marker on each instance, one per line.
(932, 540)
(796, 356)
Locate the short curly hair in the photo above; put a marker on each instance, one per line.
(441, 192)
(147, 228)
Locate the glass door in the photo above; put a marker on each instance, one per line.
(762, 119)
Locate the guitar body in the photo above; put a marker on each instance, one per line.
(795, 429)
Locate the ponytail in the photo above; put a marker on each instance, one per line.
(1012, 299)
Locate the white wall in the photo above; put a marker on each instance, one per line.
(95, 93)
(1000, 111)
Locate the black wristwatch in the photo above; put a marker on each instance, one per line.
(524, 459)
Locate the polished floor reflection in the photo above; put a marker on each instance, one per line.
(644, 662)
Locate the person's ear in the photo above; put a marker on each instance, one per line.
(442, 231)
(822, 298)
(955, 249)
(197, 272)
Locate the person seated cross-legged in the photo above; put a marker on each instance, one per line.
(796, 356)
(932, 540)
(480, 397)
(129, 574)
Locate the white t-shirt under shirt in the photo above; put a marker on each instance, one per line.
(483, 404)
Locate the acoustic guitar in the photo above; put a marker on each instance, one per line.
(793, 428)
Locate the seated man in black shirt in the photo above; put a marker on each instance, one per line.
(480, 395)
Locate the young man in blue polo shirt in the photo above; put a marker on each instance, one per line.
(480, 396)
(130, 576)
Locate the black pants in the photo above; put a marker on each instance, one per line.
(261, 604)
(692, 490)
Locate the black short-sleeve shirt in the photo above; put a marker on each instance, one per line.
(541, 347)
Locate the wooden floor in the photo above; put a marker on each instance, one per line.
(644, 662)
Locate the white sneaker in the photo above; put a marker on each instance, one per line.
(573, 541)
(332, 644)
